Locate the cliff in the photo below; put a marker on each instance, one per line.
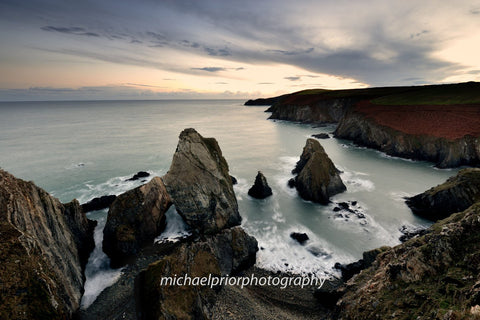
(454, 195)
(435, 276)
(438, 123)
(364, 130)
(44, 247)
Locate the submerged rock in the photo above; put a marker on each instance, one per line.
(43, 248)
(317, 178)
(456, 194)
(226, 253)
(98, 203)
(135, 218)
(200, 186)
(321, 136)
(139, 175)
(260, 189)
(300, 237)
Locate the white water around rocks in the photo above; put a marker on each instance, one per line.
(88, 149)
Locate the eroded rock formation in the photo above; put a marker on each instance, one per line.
(260, 189)
(317, 178)
(44, 247)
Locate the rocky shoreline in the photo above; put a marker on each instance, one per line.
(372, 118)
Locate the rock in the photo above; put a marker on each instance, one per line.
(200, 186)
(98, 203)
(329, 293)
(409, 233)
(138, 176)
(318, 252)
(291, 183)
(226, 253)
(42, 253)
(260, 189)
(351, 269)
(321, 136)
(317, 178)
(455, 195)
(263, 101)
(427, 275)
(135, 218)
(234, 180)
(300, 237)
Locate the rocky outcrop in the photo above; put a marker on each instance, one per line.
(443, 152)
(260, 189)
(435, 276)
(351, 269)
(299, 237)
(264, 101)
(200, 186)
(139, 175)
(99, 203)
(42, 252)
(456, 194)
(135, 218)
(317, 178)
(311, 109)
(226, 253)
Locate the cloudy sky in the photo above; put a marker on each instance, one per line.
(147, 49)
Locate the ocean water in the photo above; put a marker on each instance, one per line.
(84, 150)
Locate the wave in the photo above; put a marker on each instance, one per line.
(175, 229)
(355, 181)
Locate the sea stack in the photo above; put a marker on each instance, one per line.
(260, 189)
(317, 178)
(200, 186)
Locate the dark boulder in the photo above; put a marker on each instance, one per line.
(135, 218)
(139, 175)
(291, 183)
(300, 237)
(260, 189)
(321, 136)
(234, 180)
(456, 194)
(98, 203)
(351, 269)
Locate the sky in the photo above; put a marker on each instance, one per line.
(174, 49)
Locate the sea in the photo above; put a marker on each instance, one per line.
(86, 149)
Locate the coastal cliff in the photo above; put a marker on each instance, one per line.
(437, 123)
(44, 247)
(444, 152)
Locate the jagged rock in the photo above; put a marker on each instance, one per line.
(200, 185)
(409, 233)
(300, 237)
(351, 269)
(291, 183)
(234, 180)
(43, 243)
(98, 203)
(226, 253)
(321, 136)
(456, 194)
(135, 218)
(260, 189)
(317, 178)
(427, 275)
(138, 176)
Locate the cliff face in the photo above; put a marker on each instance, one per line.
(44, 246)
(303, 109)
(456, 194)
(435, 276)
(444, 153)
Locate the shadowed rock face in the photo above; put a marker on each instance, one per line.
(317, 179)
(226, 253)
(260, 189)
(200, 185)
(435, 276)
(456, 194)
(43, 245)
(135, 218)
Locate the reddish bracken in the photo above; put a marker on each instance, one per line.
(450, 122)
